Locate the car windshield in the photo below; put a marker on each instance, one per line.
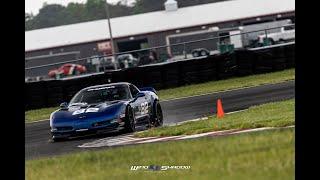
(287, 28)
(101, 94)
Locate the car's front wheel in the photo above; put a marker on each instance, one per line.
(157, 115)
(55, 139)
(271, 41)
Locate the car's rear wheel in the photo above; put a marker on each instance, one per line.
(204, 53)
(271, 41)
(195, 54)
(157, 118)
(130, 125)
(281, 41)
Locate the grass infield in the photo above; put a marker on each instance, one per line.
(276, 114)
(255, 155)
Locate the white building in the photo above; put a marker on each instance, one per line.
(149, 29)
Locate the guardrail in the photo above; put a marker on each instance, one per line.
(168, 74)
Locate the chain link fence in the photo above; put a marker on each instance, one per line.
(179, 47)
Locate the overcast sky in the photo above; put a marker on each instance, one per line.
(34, 5)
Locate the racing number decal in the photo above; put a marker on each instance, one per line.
(144, 108)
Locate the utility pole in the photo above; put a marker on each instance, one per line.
(110, 31)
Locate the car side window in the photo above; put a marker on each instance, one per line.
(134, 90)
(287, 28)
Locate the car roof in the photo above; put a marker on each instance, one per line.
(105, 85)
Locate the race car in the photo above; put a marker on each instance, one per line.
(106, 108)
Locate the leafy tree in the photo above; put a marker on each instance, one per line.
(120, 9)
(143, 6)
(55, 15)
(96, 9)
(50, 15)
(75, 13)
(29, 22)
(28, 16)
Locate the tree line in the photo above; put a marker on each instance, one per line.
(51, 15)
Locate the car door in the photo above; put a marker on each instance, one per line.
(140, 105)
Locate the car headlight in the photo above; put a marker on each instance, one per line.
(51, 116)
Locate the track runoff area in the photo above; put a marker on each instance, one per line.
(175, 111)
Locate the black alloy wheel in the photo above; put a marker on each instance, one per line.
(130, 125)
(158, 116)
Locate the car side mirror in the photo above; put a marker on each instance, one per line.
(140, 94)
(63, 105)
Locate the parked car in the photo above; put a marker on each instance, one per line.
(108, 63)
(200, 52)
(127, 60)
(67, 70)
(286, 33)
(254, 43)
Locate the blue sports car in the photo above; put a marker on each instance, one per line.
(106, 108)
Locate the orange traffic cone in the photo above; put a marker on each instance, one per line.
(220, 112)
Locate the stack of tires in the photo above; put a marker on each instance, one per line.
(245, 61)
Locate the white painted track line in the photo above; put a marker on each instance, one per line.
(157, 139)
(125, 140)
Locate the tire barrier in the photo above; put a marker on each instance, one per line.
(165, 75)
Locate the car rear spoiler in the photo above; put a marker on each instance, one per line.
(148, 89)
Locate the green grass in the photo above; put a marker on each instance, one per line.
(259, 155)
(228, 84)
(277, 114)
(39, 114)
(196, 89)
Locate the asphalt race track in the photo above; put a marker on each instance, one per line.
(37, 135)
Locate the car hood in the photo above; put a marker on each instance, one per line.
(81, 111)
